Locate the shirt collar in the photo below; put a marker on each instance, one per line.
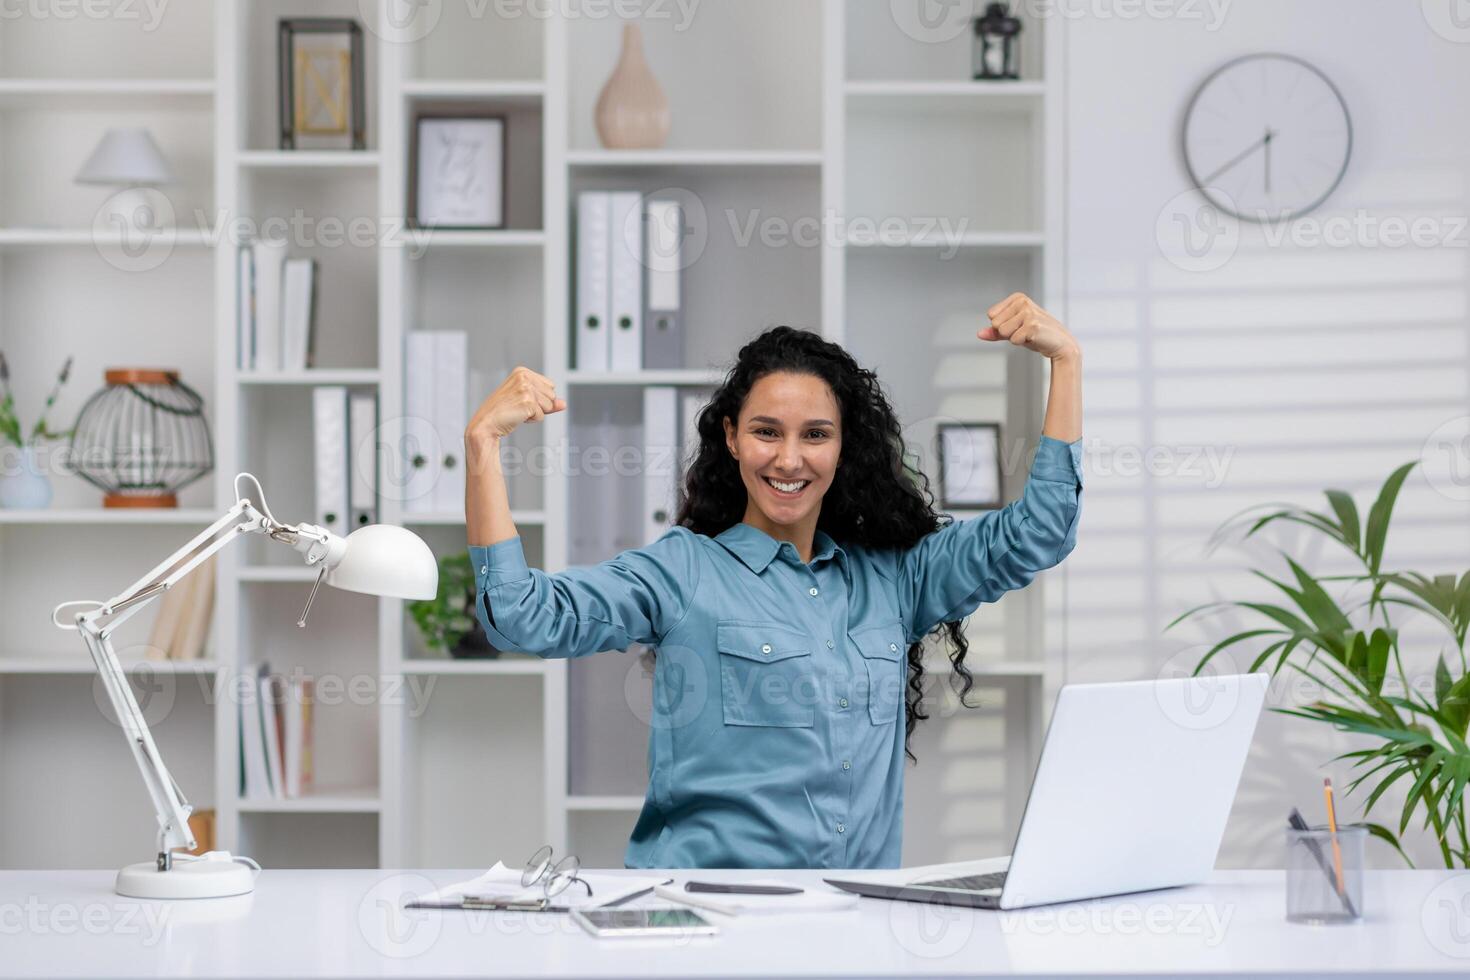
(756, 548)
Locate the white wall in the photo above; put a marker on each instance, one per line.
(1299, 367)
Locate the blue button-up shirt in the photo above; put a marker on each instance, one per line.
(777, 733)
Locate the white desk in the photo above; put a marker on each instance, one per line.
(341, 923)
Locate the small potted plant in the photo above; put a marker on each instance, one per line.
(24, 484)
(447, 621)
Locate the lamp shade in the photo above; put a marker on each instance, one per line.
(385, 560)
(126, 156)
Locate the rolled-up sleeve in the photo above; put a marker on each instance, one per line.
(634, 597)
(951, 571)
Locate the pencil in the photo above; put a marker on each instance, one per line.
(1332, 828)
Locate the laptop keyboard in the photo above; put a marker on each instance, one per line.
(994, 879)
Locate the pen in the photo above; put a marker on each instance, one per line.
(1332, 829)
(738, 889)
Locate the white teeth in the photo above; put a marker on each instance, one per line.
(787, 487)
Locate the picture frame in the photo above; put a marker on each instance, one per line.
(457, 169)
(323, 89)
(969, 465)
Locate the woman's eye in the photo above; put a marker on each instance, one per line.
(761, 432)
(818, 432)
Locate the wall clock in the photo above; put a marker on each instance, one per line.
(1267, 137)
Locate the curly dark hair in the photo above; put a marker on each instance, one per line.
(888, 506)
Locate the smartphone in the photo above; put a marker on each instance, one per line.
(643, 922)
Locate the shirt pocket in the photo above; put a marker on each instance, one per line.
(766, 674)
(886, 659)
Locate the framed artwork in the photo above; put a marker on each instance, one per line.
(456, 171)
(969, 465)
(323, 93)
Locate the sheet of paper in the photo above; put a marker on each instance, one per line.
(504, 884)
(816, 898)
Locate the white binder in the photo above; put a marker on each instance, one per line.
(245, 307)
(593, 295)
(626, 324)
(270, 263)
(663, 319)
(451, 415)
(363, 432)
(422, 455)
(329, 424)
(298, 306)
(660, 459)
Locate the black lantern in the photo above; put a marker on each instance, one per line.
(995, 53)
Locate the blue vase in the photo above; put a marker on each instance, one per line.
(23, 484)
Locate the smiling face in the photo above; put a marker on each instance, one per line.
(787, 442)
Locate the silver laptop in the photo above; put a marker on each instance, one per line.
(1131, 793)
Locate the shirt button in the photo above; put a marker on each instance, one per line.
(765, 648)
(484, 569)
(829, 644)
(842, 703)
(846, 764)
(812, 590)
(841, 828)
(893, 646)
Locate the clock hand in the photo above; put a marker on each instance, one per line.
(1269, 134)
(1239, 157)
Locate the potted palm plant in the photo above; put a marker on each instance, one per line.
(1338, 631)
(447, 621)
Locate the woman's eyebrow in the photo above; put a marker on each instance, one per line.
(768, 419)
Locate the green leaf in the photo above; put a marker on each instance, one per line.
(1431, 765)
(1442, 681)
(1347, 517)
(1231, 641)
(1380, 514)
(1454, 705)
(1378, 650)
(1384, 834)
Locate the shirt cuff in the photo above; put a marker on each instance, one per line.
(1058, 461)
(498, 563)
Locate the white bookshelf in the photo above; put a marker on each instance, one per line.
(846, 116)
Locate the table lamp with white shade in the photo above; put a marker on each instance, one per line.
(379, 559)
(129, 159)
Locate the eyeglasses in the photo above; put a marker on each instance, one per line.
(554, 878)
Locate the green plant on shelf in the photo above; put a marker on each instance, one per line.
(10, 425)
(447, 621)
(1416, 737)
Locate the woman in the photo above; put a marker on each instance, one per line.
(789, 602)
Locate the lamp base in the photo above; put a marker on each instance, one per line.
(187, 879)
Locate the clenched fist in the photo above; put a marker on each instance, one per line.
(1020, 320)
(525, 396)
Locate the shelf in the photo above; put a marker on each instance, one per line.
(99, 515)
(18, 238)
(312, 376)
(692, 377)
(359, 800)
(456, 518)
(1003, 96)
(308, 159)
(528, 92)
(694, 158)
(1006, 240)
(424, 238)
(613, 803)
(95, 93)
(514, 666)
(82, 664)
(283, 573)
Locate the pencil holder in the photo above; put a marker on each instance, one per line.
(1324, 874)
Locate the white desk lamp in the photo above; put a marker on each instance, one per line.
(379, 559)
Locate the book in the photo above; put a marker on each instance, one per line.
(188, 641)
(270, 728)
